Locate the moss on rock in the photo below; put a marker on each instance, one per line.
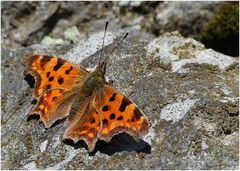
(221, 32)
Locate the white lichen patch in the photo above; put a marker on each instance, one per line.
(47, 40)
(151, 134)
(89, 47)
(100, 155)
(229, 99)
(179, 51)
(177, 110)
(230, 139)
(214, 58)
(192, 92)
(207, 56)
(159, 48)
(30, 166)
(200, 123)
(226, 90)
(56, 141)
(204, 144)
(73, 34)
(70, 156)
(43, 146)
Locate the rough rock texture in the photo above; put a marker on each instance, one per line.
(188, 93)
(188, 17)
(25, 23)
(215, 24)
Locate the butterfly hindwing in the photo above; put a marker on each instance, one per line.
(119, 114)
(107, 114)
(53, 105)
(85, 124)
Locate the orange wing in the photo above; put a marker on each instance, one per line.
(119, 114)
(53, 80)
(84, 124)
(108, 113)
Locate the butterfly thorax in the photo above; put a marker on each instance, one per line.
(94, 81)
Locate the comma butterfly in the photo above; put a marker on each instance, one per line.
(96, 110)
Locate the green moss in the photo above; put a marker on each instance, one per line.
(221, 32)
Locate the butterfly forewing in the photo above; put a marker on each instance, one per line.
(52, 72)
(55, 81)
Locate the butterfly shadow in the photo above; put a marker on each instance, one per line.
(37, 118)
(119, 143)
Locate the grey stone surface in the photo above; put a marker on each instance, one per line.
(188, 17)
(193, 111)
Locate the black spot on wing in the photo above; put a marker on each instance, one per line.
(105, 108)
(137, 113)
(47, 87)
(60, 62)
(48, 74)
(112, 116)
(60, 80)
(113, 97)
(92, 120)
(50, 78)
(124, 104)
(105, 121)
(120, 118)
(45, 58)
(69, 70)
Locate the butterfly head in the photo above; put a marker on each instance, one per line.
(102, 68)
(102, 64)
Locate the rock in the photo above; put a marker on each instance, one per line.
(73, 34)
(215, 24)
(27, 23)
(25, 26)
(187, 17)
(47, 40)
(188, 93)
(179, 51)
(160, 17)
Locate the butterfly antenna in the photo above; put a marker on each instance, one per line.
(114, 48)
(99, 59)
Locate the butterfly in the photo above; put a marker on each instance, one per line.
(95, 109)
